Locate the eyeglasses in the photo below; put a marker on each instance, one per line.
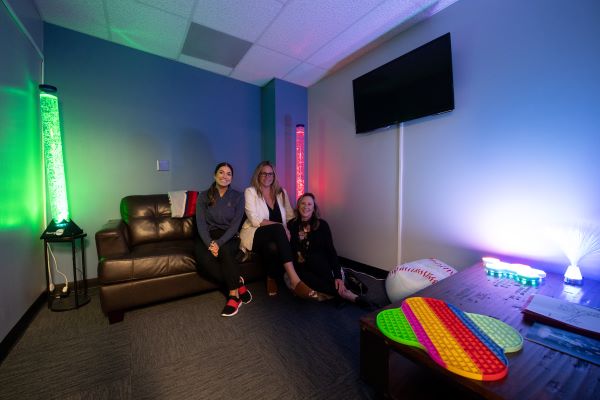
(265, 174)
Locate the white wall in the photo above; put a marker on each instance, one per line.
(517, 155)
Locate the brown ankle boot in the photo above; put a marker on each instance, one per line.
(271, 286)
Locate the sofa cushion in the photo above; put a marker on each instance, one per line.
(149, 260)
(148, 218)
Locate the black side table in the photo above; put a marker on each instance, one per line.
(79, 296)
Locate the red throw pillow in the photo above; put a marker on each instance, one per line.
(190, 203)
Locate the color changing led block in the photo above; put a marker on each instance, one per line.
(521, 273)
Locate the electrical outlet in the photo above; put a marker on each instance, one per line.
(162, 165)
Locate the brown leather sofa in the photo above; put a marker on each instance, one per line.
(147, 256)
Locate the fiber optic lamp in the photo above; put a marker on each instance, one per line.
(577, 242)
(56, 189)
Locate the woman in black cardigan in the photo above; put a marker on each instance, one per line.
(315, 258)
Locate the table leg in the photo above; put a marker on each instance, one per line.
(83, 267)
(75, 274)
(374, 361)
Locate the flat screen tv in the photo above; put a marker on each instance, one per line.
(414, 85)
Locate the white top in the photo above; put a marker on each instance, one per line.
(257, 210)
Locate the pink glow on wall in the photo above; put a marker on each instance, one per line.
(299, 160)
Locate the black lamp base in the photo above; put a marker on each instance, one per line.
(69, 302)
(61, 229)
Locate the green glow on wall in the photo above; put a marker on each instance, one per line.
(20, 158)
(53, 158)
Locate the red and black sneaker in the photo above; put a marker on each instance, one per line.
(244, 293)
(231, 307)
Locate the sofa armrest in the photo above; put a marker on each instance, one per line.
(112, 239)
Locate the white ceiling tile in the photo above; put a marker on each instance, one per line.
(260, 65)
(241, 18)
(303, 27)
(207, 65)
(81, 16)
(305, 75)
(300, 40)
(379, 21)
(146, 28)
(441, 4)
(183, 8)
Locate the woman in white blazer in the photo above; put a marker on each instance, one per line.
(265, 231)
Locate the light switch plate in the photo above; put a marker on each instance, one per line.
(162, 165)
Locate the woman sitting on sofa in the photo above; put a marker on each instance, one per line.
(264, 232)
(219, 213)
(315, 258)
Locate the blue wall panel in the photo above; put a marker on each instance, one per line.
(123, 110)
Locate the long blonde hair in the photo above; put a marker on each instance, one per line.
(275, 187)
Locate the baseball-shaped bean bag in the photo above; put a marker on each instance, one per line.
(411, 277)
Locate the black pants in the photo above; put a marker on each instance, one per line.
(273, 248)
(316, 273)
(224, 269)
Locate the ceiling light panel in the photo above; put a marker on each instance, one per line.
(214, 46)
(183, 8)
(253, 68)
(379, 21)
(81, 16)
(241, 18)
(146, 28)
(303, 27)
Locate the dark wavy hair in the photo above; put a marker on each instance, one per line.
(313, 222)
(213, 192)
(275, 187)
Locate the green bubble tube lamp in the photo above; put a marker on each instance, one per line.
(56, 186)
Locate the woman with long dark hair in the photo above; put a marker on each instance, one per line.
(219, 213)
(265, 232)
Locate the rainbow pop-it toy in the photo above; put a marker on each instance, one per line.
(469, 345)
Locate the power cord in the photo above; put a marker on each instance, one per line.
(51, 279)
(65, 289)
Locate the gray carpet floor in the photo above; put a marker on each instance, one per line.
(275, 348)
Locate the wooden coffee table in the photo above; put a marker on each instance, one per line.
(535, 372)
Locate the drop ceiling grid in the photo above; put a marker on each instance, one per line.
(305, 74)
(253, 68)
(303, 27)
(206, 65)
(85, 17)
(146, 28)
(377, 22)
(241, 18)
(183, 8)
(298, 40)
(440, 5)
